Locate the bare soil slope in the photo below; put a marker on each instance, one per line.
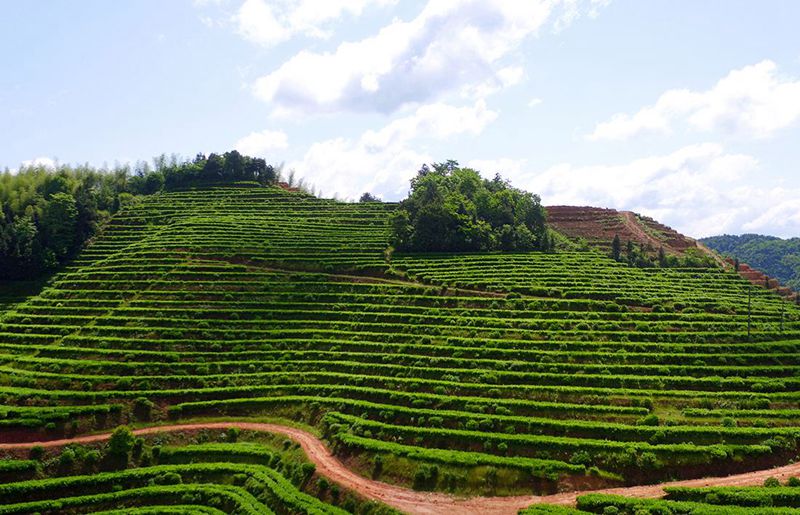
(598, 226)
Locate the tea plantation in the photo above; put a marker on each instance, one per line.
(490, 373)
(770, 499)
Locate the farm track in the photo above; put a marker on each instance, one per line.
(426, 503)
(629, 222)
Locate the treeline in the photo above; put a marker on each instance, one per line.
(172, 174)
(454, 209)
(48, 214)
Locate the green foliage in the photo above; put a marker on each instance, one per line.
(453, 209)
(425, 477)
(649, 420)
(59, 221)
(237, 301)
(233, 434)
(36, 452)
(47, 215)
(368, 197)
(214, 169)
(776, 257)
(550, 509)
(262, 488)
(699, 501)
(121, 442)
(771, 494)
(616, 248)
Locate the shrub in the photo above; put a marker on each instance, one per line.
(425, 477)
(36, 453)
(121, 442)
(649, 420)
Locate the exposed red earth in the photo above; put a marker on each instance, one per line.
(428, 503)
(598, 226)
(759, 278)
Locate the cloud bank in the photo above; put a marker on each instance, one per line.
(451, 46)
(754, 101)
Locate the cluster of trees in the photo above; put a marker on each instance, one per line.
(369, 197)
(231, 166)
(452, 209)
(647, 257)
(775, 257)
(47, 214)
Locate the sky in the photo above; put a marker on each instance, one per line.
(687, 111)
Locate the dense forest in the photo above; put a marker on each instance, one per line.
(775, 257)
(47, 215)
(450, 208)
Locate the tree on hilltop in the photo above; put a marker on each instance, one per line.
(450, 208)
(369, 197)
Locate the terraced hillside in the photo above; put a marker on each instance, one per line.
(485, 373)
(771, 499)
(598, 226)
(210, 470)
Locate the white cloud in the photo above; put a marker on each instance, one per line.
(534, 102)
(383, 161)
(752, 101)
(781, 217)
(40, 161)
(700, 190)
(270, 23)
(452, 45)
(574, 9)
(261, 143)
(507, 167)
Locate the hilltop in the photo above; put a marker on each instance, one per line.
(598, 226)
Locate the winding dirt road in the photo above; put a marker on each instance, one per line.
(410, 501)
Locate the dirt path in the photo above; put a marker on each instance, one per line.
(410, 501)
(631, 223)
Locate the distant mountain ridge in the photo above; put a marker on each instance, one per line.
(776, 257)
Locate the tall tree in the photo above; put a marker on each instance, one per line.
(60, 220)
(616, 248)
(662, 257)
(213, 169)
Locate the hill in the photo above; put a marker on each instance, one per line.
(776, 257)
(479, 373)
(598, 226)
